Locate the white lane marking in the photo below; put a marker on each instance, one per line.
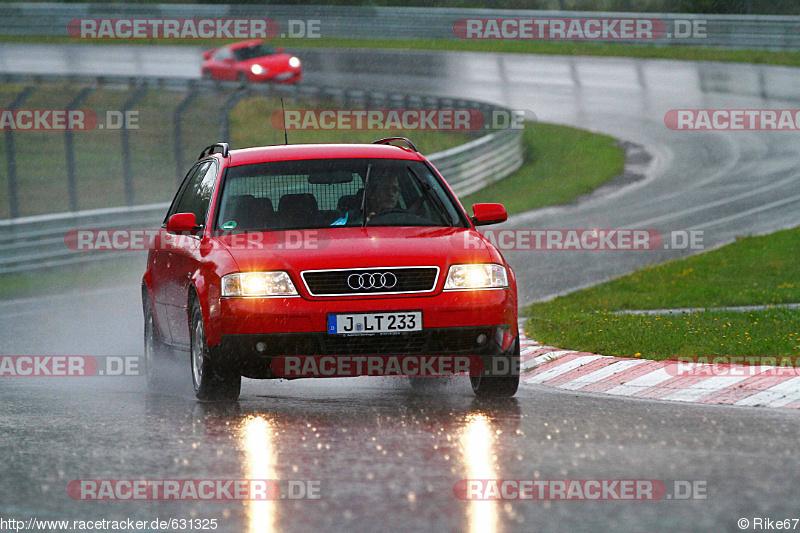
(708, 386)
(776, 396)
(563, 368)
(764, 207)
(641, 383)
(677, 214)
(597, 375)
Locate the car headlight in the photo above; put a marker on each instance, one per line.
(258, 284)
(294, 62)
(480, 276)
(257, 69)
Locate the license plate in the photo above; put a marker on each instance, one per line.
(369, 323)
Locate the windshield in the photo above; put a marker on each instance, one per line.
(252, 52)
(322, 193)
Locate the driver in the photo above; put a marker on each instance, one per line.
(383, 194)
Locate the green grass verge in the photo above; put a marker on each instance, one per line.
(752, 271)
(561, 164)
(686, 53)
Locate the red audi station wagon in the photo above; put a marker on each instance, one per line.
(324, 250)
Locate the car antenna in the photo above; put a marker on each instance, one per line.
(285, 136)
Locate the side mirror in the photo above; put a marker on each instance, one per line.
(485, 214)
(279, 50)
(183, 223)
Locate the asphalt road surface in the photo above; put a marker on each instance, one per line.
(384, 455)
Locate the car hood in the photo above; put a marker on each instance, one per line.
(331, 248)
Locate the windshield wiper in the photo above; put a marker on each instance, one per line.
(426, 193)
(364, 198)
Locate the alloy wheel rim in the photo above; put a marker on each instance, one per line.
(198, 353)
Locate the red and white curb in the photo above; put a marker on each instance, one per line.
(764, 386)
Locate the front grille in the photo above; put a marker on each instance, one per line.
(370, 281)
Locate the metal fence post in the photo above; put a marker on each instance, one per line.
(72, 185)
(11, 156)
(178, 131)
(127, 172)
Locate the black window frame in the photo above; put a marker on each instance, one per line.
(182, 190)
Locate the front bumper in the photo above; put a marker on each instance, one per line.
(252, 355)
(247, 316)
(254, 331)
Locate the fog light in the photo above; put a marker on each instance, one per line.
(482, 340)
(261, 347)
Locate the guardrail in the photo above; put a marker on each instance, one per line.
(38, 241)
(731, 31)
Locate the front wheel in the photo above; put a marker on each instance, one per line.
(488, 386)
(211, 382)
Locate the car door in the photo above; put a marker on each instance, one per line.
(184, 249)
(224, 65)
(161, 264)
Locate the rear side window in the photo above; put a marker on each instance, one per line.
(197, 192)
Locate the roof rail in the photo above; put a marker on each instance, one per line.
(388, 140)
(212, 148)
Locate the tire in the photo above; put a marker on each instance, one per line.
(242, 78)
(487, 386)
(211, 382)
(154, 350)
(207, 75)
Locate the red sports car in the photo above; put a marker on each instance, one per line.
(251, 61)
(325, 251)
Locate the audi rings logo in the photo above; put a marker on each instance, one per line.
(372, 280)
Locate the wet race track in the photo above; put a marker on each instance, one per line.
(381, 454)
